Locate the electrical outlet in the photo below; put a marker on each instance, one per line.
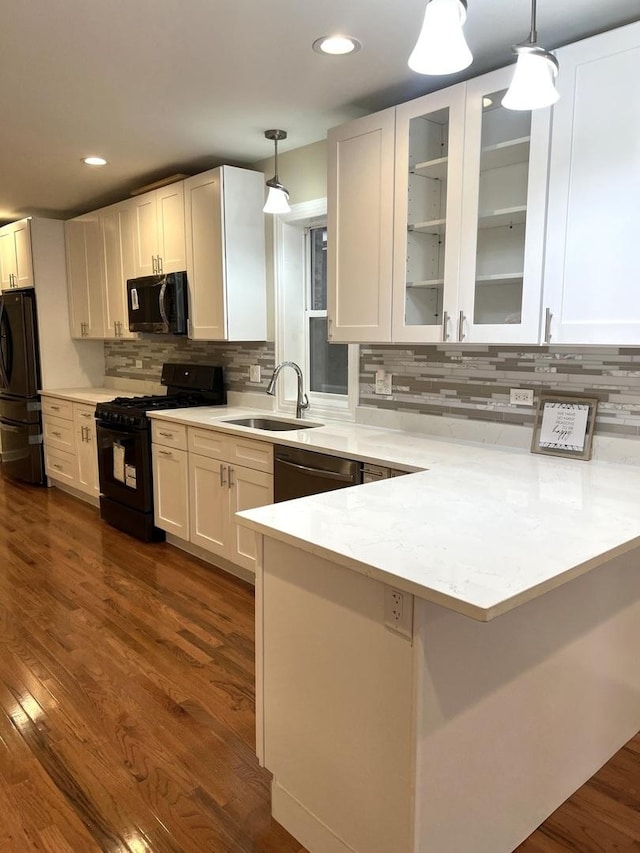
(138, 363)
(384, 382)
(521, 396)
(398, 611)
(254, 373)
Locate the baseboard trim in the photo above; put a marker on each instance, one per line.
(213, 560)
(303, 825)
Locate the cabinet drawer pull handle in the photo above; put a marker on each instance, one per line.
(223, 470)
(56, 466)
(56, 408)
(548, 316)
(166, 434)
(55, 432)
(461, 319)
(165, 453)
(445, 325)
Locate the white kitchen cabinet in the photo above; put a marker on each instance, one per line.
(427, 230)
(85, 276)
(225, 244)
(452, 188)
(70, 446)
(86, 442)
(591, 266)
(503, 216)
(118, 253)
(170, 478)
(220, 487)
(360, 228)
(209, 504)
(16, 263)
(159, 232)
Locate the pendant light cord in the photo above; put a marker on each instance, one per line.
(533, 35)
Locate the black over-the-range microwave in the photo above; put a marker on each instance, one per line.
(158, 304)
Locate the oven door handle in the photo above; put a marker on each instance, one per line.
(318, 472)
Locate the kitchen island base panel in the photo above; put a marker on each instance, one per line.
(491, 725)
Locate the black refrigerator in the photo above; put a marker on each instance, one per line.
(20, 421)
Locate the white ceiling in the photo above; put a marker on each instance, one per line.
(166, 86)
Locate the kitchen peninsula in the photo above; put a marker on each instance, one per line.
(520, 678)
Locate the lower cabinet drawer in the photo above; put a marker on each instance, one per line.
(57, 407)
(60, 465)
(169, 435)
(58, 433)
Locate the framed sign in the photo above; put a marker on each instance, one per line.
(564, 426)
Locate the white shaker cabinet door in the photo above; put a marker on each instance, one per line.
(592, 291)
(249, 489)
(360, 228)
(171, 490)
(209, 504)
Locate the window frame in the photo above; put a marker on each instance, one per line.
(337, 406)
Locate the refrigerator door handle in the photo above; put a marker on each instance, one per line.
(5, 344)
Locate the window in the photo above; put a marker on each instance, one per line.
(328, 364)
(300, 267)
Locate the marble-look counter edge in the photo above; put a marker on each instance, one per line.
(458, 605)
(81, 395)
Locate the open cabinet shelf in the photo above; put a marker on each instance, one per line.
(433, 168)
(435, 226)
(505, 153)
(433, 282)
(500, 218)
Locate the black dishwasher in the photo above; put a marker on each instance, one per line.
(298, 473)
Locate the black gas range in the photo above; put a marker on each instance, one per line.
(124, 444)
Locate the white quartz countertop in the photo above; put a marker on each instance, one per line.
(482, 531)
(83, 395)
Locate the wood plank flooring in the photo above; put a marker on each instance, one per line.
(127, 702)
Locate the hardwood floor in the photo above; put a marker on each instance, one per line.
(127, 702)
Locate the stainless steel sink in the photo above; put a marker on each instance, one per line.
(271, 424)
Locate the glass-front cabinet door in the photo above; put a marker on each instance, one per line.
(429, 162)
(503, 209)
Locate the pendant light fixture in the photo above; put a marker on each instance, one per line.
(278, 198)
(441, 47)
(533, 84)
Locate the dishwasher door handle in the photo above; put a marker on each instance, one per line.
(319, 472)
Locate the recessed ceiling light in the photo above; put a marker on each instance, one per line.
(336, 45)
(94, 161)
(486, 102)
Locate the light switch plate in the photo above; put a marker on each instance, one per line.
(384, 382)
(254, 373)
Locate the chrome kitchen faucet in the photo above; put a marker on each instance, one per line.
(302, 402)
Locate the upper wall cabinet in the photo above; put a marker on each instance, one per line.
(360, 225)
(16, 264)
(465, 229)
(226, 255)
(159, 236)
(591, 270)
(118, 255)
(85, 276)
(428, 200)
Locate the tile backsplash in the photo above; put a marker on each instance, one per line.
(121, 358)
(474, 383)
